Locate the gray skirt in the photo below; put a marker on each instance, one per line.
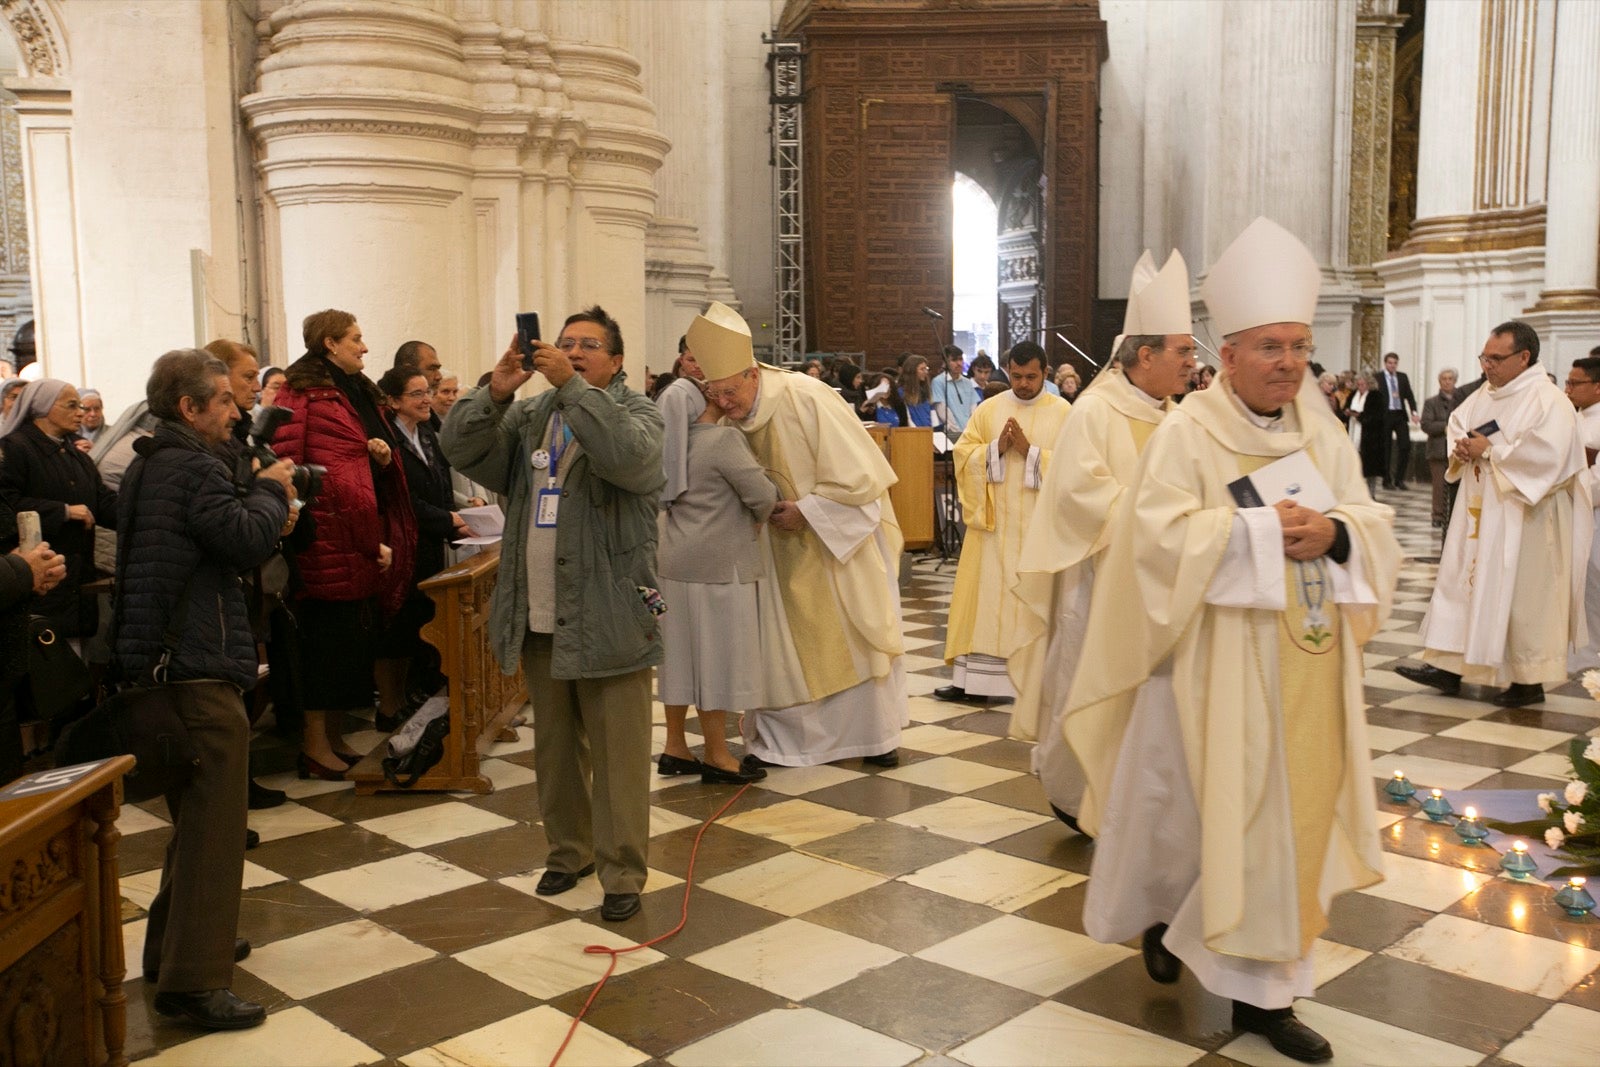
(709, 634)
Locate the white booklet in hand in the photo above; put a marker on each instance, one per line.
(1294, 477)
(486, 523)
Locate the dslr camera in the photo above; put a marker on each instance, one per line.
(263, 428)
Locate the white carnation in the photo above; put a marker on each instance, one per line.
(1574, 821)
(1545, 800)
(1592, 753)
(1591, 682)
(1576, 791)
(1553, 838)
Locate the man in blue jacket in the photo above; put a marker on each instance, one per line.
(189, 534)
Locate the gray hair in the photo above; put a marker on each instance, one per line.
(1128, 354)
(183, 372)
(1450, 371)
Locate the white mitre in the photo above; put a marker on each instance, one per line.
(1161, 306)
(1266, 275)
(1143, 271)
(720, 340)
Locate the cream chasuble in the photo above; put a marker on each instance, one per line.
(833, 675)
(1240, 678)
(1588, 656)
(998, 496)
(1508, 605)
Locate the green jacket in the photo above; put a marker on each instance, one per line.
(606, 533)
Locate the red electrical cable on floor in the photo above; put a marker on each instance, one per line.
(602, 950)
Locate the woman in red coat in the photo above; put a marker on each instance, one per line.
(356, 571)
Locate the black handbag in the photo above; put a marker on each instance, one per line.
(58, 680)
(429, 750)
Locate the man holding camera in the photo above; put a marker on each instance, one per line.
(189, 534)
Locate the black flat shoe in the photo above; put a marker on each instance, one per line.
(756, 763)
(1160, 964)
(241, 950)
(890, 758)
(619, 906)
(1070, 820)
(953, 694)
(262, 797)
(713, 775)
(251, 839)
(211, 1009)
(1283, 1032)
(669, 766)
(1446, 682)
(1519, 696)
(552, 883)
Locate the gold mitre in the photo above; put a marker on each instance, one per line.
(720, 341)
(1266, 275)
(1161, 306)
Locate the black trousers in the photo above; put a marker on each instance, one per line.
(1397, 435)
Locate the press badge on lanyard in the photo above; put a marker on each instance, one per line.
(548, 501)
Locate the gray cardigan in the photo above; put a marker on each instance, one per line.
(1435, 423)
(708, 535)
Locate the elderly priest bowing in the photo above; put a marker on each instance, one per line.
(831, 649)
(1234, 699)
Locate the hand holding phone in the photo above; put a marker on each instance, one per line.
(527, 333)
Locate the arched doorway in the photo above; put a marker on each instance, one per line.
(974, 316)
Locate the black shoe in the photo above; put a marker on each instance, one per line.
(1389, 485)
(672, 765)
(756, 763)
(553, 882)
(1518, 695)
(952, 693)
(890, 758)
(1446, 682)
(1159, 963)
(1283, 1032)
(713, 775)
(1070, 820)
(241, 949)
(619, 906)
(999, 702)
(262, 797)
(213, 1009)
(251, 839)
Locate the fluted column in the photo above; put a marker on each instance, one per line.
(1572, 230)
(1371, 123)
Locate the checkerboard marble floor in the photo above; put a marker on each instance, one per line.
(928, 914)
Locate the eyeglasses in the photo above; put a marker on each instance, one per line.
(1302, 351)
(417, 394)
(1495, 361)
(1581, 381)
(718, 395)
(588, 344)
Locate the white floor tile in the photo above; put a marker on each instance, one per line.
(256, 876)
(1429, 702)
(969, 819)
(550, 961)
(289, 1038)
(396, 880)
(1570, 705)
(1356, 1040)
(133, 947)
(795, 959)
(523, 743)
(772, 1039)
(299, 788)
(349, 952)
(436, 824)
(1054, 1035)
(795, 822)
(289, 820)
(798, 781)
(792, 883)
(506, 775)
(1330, 959)
(924, 708)
(1505, 733)
(526, 1038)
(941, 740)
(665, 821)
(587, 894)
(1387, 739)
(1026, 955)
(1003, 882)
(141, 888)
(1564, 1036)
(135, 820)
(1494, 954)
(1427, 773)
(950, 774)
(1424, 884)
(1544, 765)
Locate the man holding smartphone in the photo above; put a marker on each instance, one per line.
(580, 467)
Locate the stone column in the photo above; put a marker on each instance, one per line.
(1371, 120)
(1572, 203)
(44, 117)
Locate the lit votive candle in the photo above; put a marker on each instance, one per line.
(1469, 829)
(1574, 899)
(1436, 807)
(1517, 863)
(1399, 788)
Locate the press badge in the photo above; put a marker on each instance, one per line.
(545, 508)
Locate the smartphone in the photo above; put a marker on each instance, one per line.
(28, 534)
(527, 333)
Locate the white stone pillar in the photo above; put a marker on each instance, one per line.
(1572, 203)
(1447, 145)
(44, 116)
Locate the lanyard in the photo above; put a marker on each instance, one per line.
(558, 446)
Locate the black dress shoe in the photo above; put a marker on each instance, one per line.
(1446, 682)
(1518, 695)
(1283, 1032)
(619, 906)
(756, 763)
(713, 775)
(241, 949)
(262, 797)
(952, 693)
(213, 1009)
(672, 765)
(554, 882)
(251, 839)
(1070, 820)
(1159, 963)
(890, 758)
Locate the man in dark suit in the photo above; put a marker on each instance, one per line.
(1401, 409)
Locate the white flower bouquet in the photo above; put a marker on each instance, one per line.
(1571, 822)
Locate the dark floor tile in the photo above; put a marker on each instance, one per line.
(713, 920)
(520, 802)
(1462, 751)
(1419, 721)
(498, 853)
(1464, 1012)
(145, 851)
(308, 855)
(880, 798)
(1011, 755)
(1217, 1059)
(887, 848)
(903, 917)
(1543, 720)
(941, 672)
(1051, 843)
(924, 618)
(926, 633)
(1023, 792)
(1182, 1012)
(924, 1003)
(668, 1005)
(466, 918)
(1515, 780)
(1062, 909)
(1382, 648)
(700, 801)
(287, 909)
(996, 722)
(1586, 993)
(346, 805)
(721, 850)
(521, 759)
(1529, 908)
(1372, 923)
(413, 1007)
(1437, 841)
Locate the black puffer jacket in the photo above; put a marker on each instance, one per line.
(187, 523)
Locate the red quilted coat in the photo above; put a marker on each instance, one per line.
(353, 516)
